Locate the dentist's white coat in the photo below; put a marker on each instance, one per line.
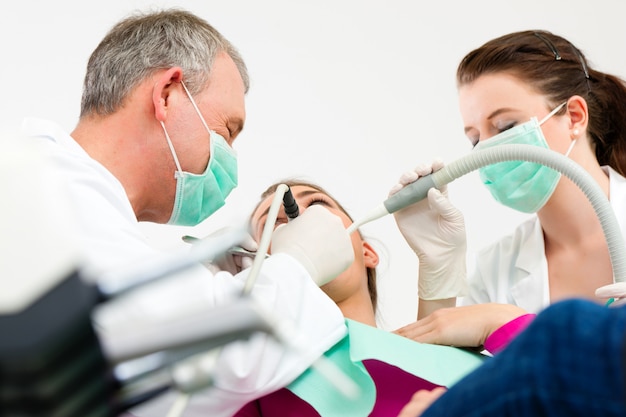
(111, 238)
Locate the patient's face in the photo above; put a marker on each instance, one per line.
(355, 276)
(305, 197)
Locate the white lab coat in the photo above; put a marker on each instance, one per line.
(514, 270)
(110, 237)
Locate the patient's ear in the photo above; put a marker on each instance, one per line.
(370, 257)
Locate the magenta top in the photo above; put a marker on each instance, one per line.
(499, 339)
(394, 388)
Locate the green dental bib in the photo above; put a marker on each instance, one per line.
(440, 365)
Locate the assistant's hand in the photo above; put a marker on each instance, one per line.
(319, 241)
(616, 291)
(466, 326)
(435, 230)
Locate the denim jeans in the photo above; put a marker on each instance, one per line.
(570, 361)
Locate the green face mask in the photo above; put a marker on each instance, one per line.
(521, 185)
(200, 195)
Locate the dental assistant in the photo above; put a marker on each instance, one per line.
(534, 87)
(163, 102)
(561, 253)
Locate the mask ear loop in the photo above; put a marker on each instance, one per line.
(195, 106)
(571, 146)
(552, 113)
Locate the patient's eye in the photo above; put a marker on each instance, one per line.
(319, 200)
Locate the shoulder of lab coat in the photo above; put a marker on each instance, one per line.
(106, 225)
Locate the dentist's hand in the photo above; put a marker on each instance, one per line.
(319, 241)
(435, 230)
(230, 262)
(616, 291)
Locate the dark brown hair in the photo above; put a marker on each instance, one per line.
(371, 272)
(557, 69)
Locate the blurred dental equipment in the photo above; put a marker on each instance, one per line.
(116, 282)
(418, 190)
(75, 342)
(53, 359)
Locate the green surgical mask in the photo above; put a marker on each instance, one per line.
(200, 195)
(521, 185)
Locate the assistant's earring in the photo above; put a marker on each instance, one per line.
(575, 133)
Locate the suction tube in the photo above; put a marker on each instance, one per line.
(418, 190)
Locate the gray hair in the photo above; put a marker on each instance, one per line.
(143, 43)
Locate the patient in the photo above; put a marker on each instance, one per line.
(354, 291)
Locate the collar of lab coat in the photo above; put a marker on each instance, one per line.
(531, 292)
(33, 127)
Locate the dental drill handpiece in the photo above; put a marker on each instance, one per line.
(409, 194)
(291, 206)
